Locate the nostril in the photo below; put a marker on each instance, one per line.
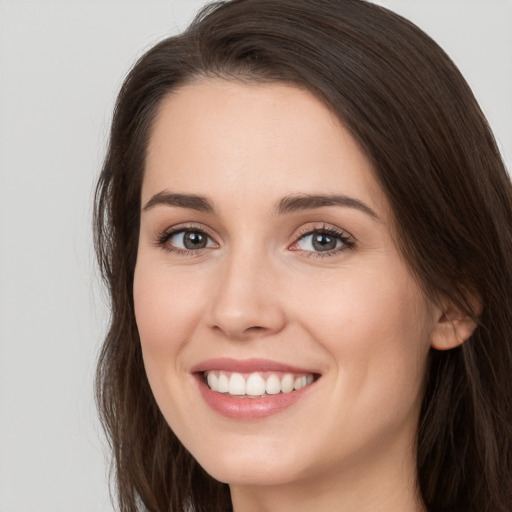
(256, 329)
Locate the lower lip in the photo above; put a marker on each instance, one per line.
(249, 408)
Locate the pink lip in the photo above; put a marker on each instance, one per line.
(247, 366)
(247, 408)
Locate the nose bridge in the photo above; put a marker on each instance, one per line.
(246, 304)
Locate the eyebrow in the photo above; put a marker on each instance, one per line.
(288, 204)
(298, 202)
(191, 201)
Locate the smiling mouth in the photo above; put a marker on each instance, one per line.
(256, 384)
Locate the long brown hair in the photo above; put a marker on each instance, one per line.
(436, 160)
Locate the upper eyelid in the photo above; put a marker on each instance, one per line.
(328, 228)
(322, 229)
(177, 228)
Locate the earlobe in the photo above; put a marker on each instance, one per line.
(454, 326)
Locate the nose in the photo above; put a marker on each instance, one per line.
(246, 303)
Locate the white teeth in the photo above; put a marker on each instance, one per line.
(223, 383)
(255, 384)
(287, 383)
(213, 381)
(300, 382)
(236, 384)
(305, 380)
(273, 385)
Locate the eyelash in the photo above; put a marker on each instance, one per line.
(346, 240)
(167, 235)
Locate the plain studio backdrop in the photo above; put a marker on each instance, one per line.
(61, 65)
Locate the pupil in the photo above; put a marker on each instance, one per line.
(194, 240)
(322, 242)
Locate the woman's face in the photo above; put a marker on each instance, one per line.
(266, 266)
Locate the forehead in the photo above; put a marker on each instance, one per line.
(220, 137)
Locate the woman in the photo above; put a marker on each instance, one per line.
(306, 230)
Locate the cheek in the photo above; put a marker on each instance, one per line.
(166, 310)
(378, 337)
(377, 330)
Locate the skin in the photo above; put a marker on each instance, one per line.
(354, 316)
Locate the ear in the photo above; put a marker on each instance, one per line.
(454, 326)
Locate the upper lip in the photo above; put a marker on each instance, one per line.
(247, 366)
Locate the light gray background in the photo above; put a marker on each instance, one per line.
(61, 64)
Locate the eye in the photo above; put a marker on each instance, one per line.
(324, 240)
(186, 240)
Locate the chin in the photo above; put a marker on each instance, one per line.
(247, 472)
(250, 461)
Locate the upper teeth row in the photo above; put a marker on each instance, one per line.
(255, 384)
